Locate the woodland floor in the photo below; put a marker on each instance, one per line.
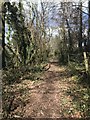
(55, 94)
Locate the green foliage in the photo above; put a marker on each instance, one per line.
(78, 68)
(62, 56)
(22, 46)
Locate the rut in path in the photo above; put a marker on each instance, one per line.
(48, 96)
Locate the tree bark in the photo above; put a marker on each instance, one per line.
(80, 35)
(3, 36)
(89, 27)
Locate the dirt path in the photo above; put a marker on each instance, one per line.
(48, 96)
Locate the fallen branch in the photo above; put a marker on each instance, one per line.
(46, 67)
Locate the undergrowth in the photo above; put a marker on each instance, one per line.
(81, 92)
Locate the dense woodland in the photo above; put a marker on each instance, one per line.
(39, 37)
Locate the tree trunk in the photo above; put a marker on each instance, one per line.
(3, 35)
(80, 34)
(0, 39)
(89, 23)
(69, 35)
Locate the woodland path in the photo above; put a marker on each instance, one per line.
(47, 97)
